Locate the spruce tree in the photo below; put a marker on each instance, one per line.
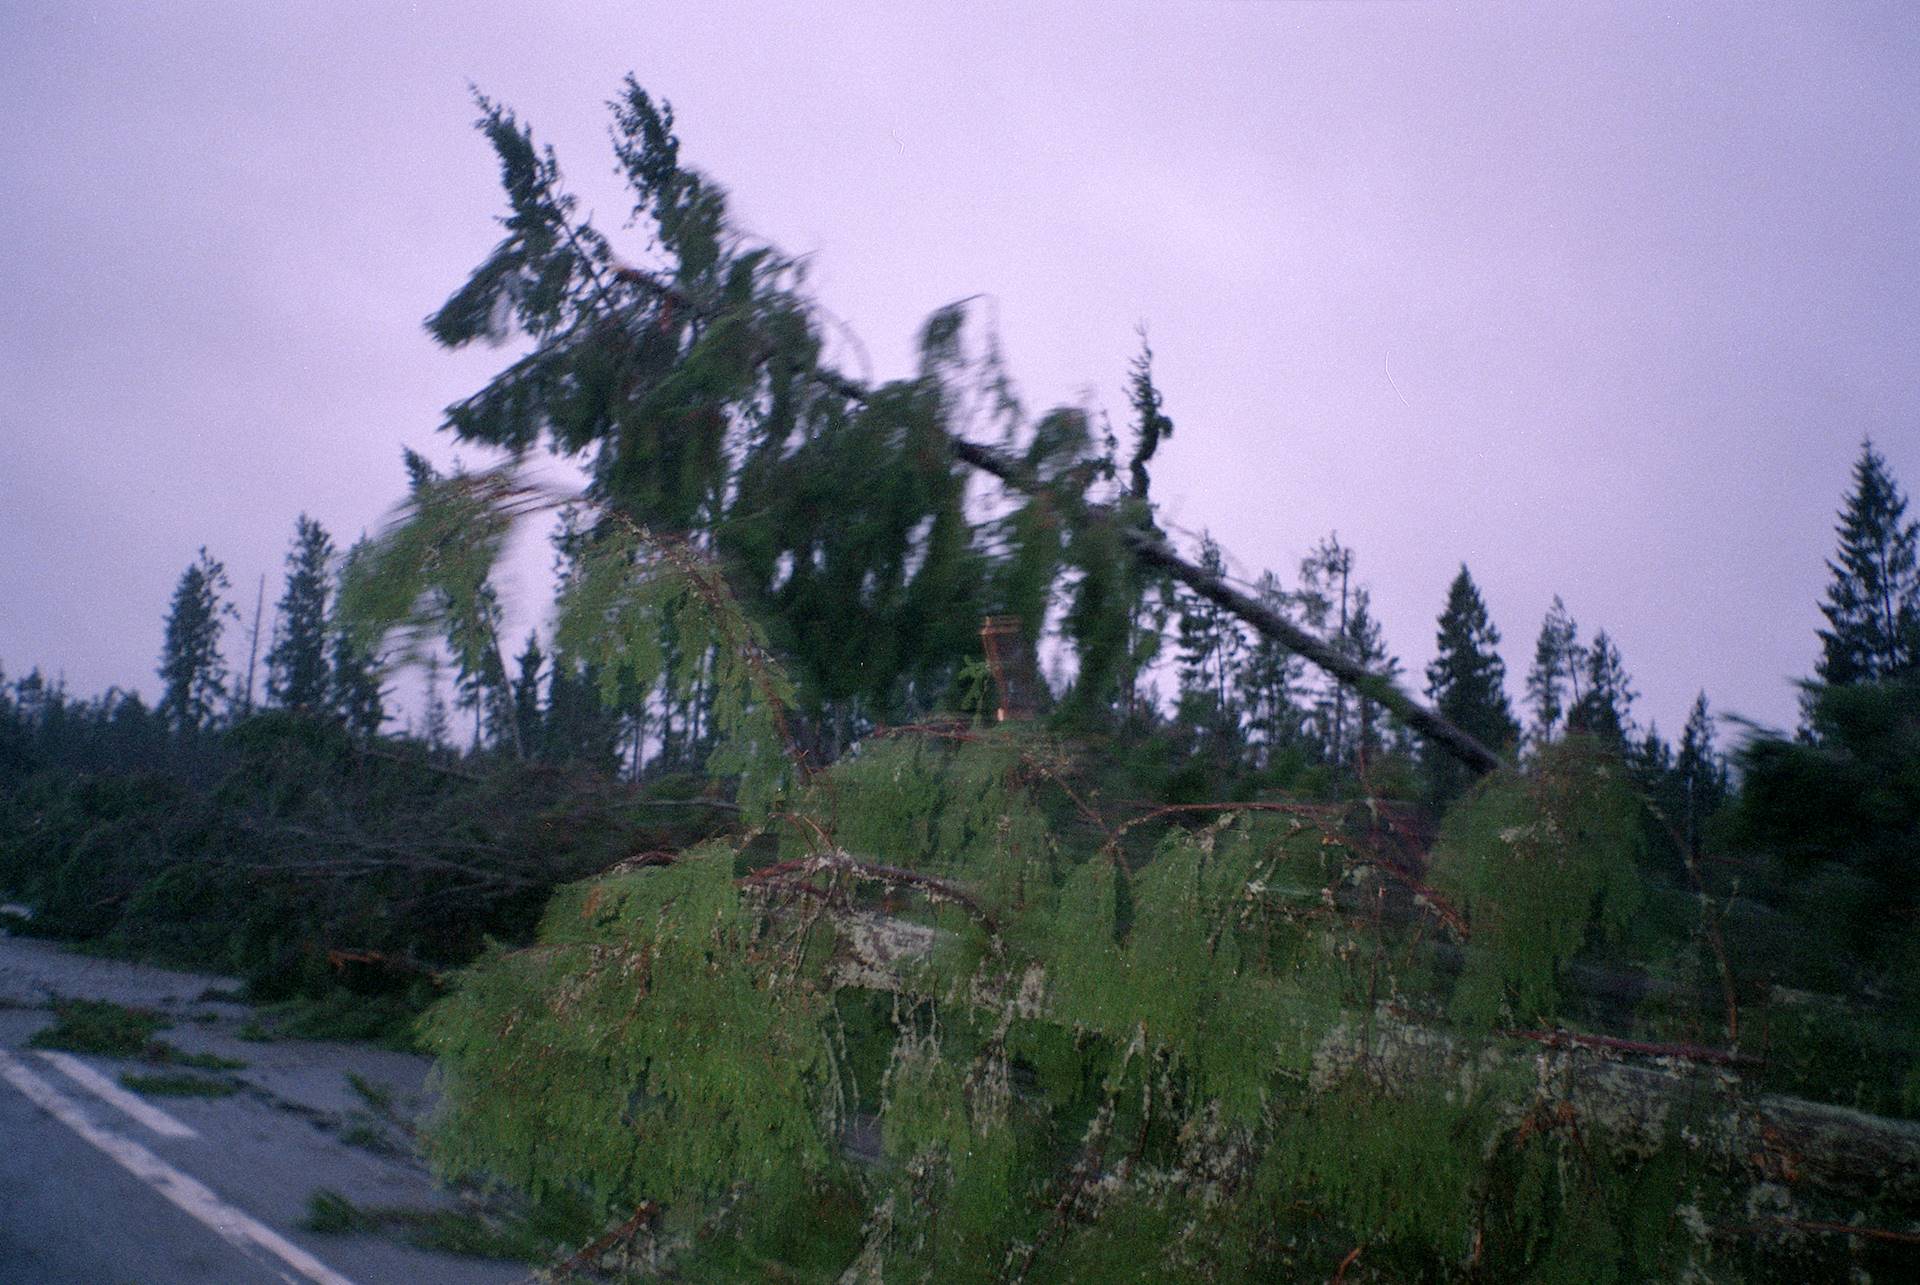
(526, 692)
(1160, 1061)
(1148, 599)
(1365, 640)
(435, 731)
(578, 727)
(1151, 424)
(1604, 710)
(297, 668)
(1467, 679)
(1554, 681)
(1651, 759)
(193, 672)
(354, 681)
(1873, 601)
(1270, 683)
(1211, 650)
(1700, 777)
(736, 436)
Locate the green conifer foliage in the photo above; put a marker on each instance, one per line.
(1873, 601)
(694, 385)
(297, 669)
(1151, 424)
(526, 690)
(193, 672)
(1365, 640)
(1700, 773)
(1558, 662)
(434, 730)
(1212, 647)
(629, 1077)
(354, 679)
(1467, 680)
(1847, 803)
(1077, 1054)
(1540, 862)
(935, 1012)
(1271, 685)
(1604, 709)
(1325, 599)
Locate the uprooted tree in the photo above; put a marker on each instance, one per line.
(942, 1008)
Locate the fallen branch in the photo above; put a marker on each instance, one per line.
(1641, 1048)
(1886, 1234)
(936, 889)
(587, 1253)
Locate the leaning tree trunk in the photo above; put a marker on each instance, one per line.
(1148, 547)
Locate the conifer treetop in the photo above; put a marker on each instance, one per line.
(1873, 599)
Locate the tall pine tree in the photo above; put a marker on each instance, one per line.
(1604, 710)
(297, 668)
(1700, 777)
(1467, 680)
(1365, 640)
(1554, 681)
(1873, 601)
(526, 692)
(193, 672)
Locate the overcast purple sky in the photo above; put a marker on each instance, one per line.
(1599, 299)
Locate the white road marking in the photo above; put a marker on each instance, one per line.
(115, 1096)
(194, 1198)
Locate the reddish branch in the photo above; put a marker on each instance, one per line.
(1823, 1229)
(937, 889)
(599, 1245)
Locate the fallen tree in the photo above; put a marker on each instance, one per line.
(1003, 1058)
(1070, 1046)
(1630, 1090)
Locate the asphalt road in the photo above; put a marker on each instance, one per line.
(99, 1186)
(69, 1214)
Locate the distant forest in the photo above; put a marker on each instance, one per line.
(1070, 909)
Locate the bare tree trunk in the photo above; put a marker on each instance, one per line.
(253, 642)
